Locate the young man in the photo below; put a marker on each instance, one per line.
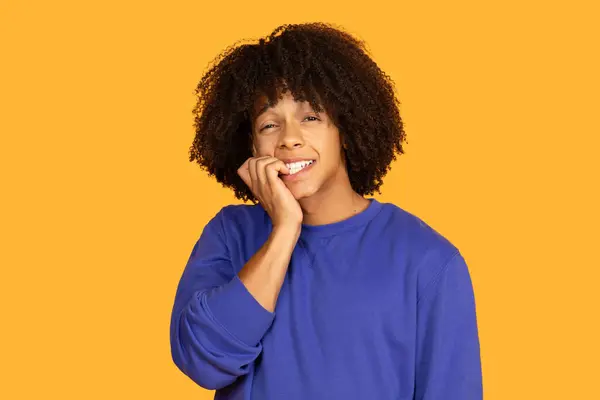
(316, 292)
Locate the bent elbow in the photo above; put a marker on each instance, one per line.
(204, 374)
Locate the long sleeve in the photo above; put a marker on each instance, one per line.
(216, 324)
(448, 364)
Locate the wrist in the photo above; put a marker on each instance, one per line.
(287, 229)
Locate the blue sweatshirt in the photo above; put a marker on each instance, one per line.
(378, 306)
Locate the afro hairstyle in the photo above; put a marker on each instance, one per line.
(317, 62)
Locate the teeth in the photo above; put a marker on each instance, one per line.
(298, 166)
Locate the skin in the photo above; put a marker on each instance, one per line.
(324, 195)
(291, 129)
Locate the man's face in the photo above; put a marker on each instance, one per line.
(291, 130)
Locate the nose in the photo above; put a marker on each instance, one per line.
(291, 137)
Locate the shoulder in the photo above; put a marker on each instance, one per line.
(425, 248)
(236, 221)
(412, 230)
(241, 214)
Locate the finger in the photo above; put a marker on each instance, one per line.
(253, 169)
(261, 165)
(281, 168)
(274, 170)
(252, 172)
(244, 173)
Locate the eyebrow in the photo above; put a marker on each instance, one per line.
(264, 108)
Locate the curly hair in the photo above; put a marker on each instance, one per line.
(317, 62)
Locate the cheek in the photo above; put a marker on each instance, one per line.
(332, 151)
(263, 148)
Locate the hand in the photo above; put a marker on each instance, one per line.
(261, 174)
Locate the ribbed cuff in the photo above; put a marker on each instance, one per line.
(239, 312)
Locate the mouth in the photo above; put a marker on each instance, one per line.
(298, 169)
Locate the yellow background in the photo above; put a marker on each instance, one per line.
(101, 208)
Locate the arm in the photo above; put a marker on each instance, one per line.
(448, 364)
(217, 322)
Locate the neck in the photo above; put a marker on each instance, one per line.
(332, 204)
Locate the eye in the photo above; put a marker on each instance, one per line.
(315, 118)
(266, 127)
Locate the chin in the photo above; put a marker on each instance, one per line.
(302, 191)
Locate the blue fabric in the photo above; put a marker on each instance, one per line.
(378, 306)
